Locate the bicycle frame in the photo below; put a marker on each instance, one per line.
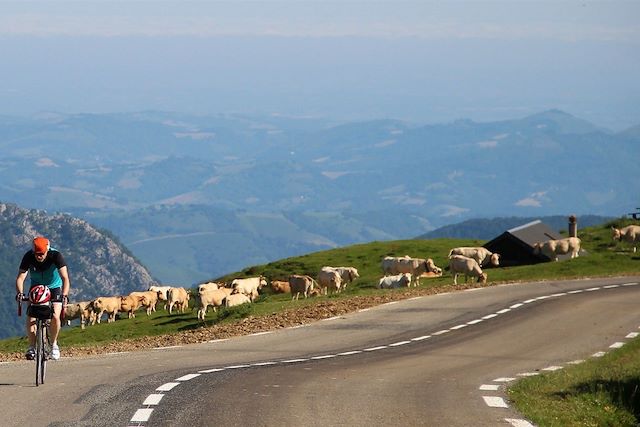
(43, 344)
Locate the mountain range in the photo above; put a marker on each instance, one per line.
(195, 197)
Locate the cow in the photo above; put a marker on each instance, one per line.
(110, 305)
(552, 248)
(406, 264)
(129, 304)
(347, 274)
(483, 256)
(149, 301)
(78, 310)
(210, 285)
(459, 264)
(213, 297)
(249, 286)
(162, 293)
(236, 299)
(299, 284)
(178, 297)
(328, 278)
(280, 287)
(629, 234)
(397, 281)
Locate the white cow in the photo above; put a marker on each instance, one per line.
(552, 248)
(162, 293)
(209, 286)
(347, 274)
(249, 286)
(397, 281)
(236, 299)
(80, 310)
(328, 278)
(459, 264)
(482, 255)
(406, 264)
(213, 297)
(299, 284)
(629, 234)
(178, 297)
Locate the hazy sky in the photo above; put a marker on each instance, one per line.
(422, 61)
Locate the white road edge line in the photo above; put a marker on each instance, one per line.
(516, 422)
(495, 402)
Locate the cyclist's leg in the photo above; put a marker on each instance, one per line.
(54, 328)
(31, 331)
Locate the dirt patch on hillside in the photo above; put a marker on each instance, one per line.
(249, 325)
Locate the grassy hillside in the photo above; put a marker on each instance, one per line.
(605, 257)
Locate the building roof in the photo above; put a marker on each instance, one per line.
(515, 245)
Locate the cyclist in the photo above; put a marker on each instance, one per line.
(46, 266)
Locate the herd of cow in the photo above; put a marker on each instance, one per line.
(398, 272)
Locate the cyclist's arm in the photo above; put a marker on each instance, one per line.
(22, 275)
(64, 275)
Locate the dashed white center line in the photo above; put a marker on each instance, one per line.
(141, 415)
(153, 399)
(444, 331)
(380, 347)
(473, 322)
(264, 363)
(326, 356)
(516, 305)
(349, 353)
(167, 386)
(489, 316)
(455, 328)
(503, 311)
(187, 377)
(399, 343)
(424, 337)
(209, 371)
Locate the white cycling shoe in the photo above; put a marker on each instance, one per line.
(55, 352)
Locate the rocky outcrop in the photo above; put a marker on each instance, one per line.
(98, 263)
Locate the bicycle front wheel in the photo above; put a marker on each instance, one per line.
(41, 359)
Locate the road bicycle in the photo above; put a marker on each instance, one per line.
(42, 313)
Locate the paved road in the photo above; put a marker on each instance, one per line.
(416, 362)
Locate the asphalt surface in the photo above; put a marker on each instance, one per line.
(415, 362)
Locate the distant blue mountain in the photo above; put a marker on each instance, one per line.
(308, 180)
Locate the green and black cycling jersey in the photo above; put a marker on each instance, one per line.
(45, 272)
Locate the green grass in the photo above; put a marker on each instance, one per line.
(598, 392)
(595, 393)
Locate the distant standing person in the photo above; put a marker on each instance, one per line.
(46, 266)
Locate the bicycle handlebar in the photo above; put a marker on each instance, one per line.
(26, 298)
